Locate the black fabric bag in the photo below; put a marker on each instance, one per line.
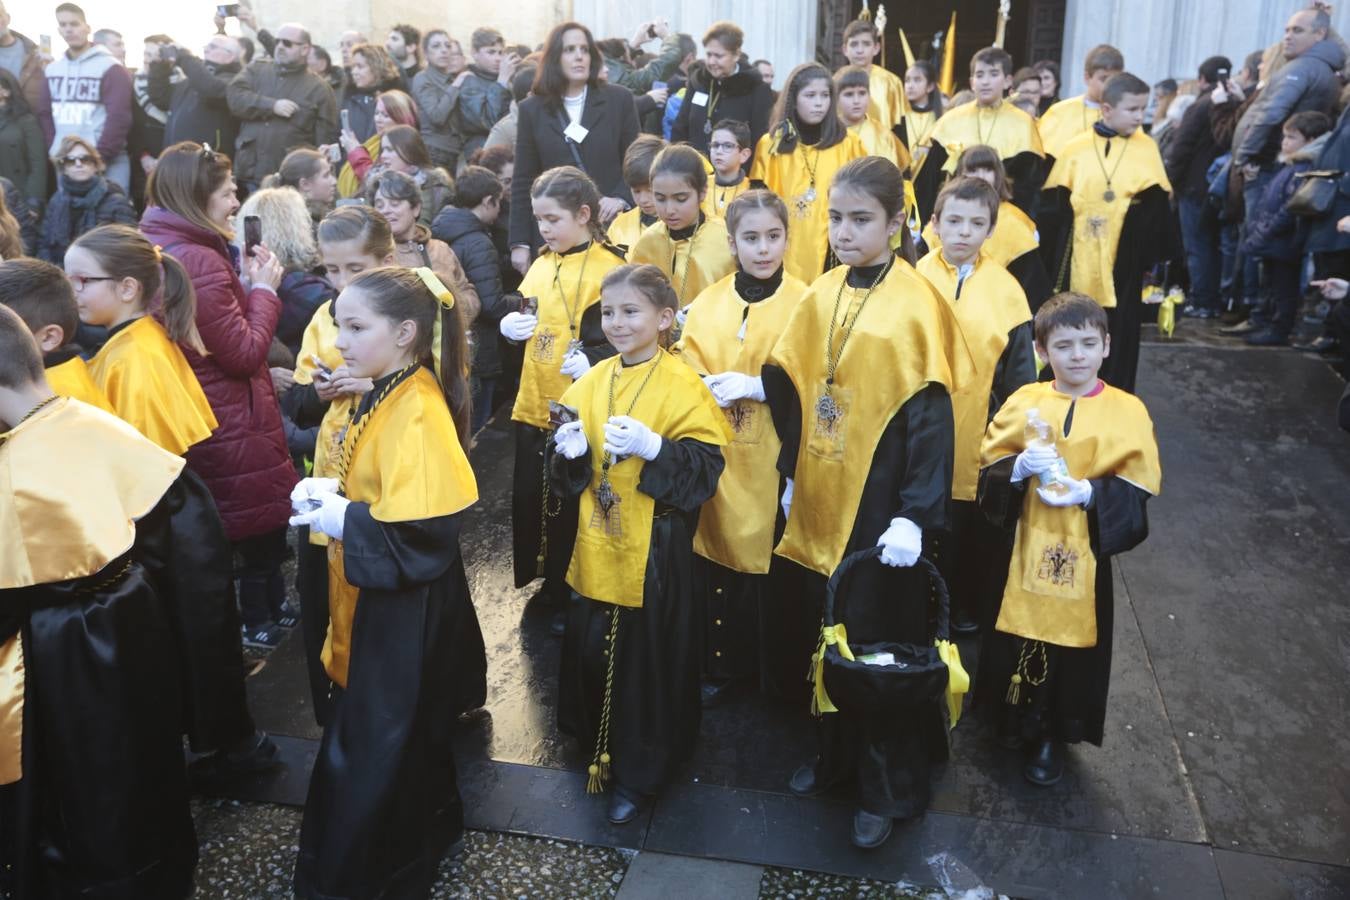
(918, 676)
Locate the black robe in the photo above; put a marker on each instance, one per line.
(1145, 240)
(655, 703)
(531, 524)
(1071, 705)
(383, 804)
(102, 808)
(886, 760)
(1026, 172)
(929, 181)
(965, 551)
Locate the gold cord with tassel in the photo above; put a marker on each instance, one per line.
(1020, 674)
(598, 770)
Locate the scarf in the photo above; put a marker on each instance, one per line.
(74, 209)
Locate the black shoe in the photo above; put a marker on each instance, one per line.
(557, 625)
(1324, 345)
(961, 624)
(623, 806)
(256, 753)
(1045, 765)
(1235, 315)
(870, 830)
(1199, 312)
(715, 693)
(803, 782)
(1267, 338)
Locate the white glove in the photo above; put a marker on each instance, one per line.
(518, 327)
(1076, 493)
(575, 365)
(681, 316)
(901, 544)
(786, 500)
(729, 387)
(1035, 460)
(571, 440)
(626, 436)
(328, 518)
(309, 488)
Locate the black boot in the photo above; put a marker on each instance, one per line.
(1045, 764)
(624, 805)
(870, 830)
(803, 782)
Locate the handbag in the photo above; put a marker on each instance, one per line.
(1316, 195)
(911, 674)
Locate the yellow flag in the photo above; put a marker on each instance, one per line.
(909, 54)
(947, 81)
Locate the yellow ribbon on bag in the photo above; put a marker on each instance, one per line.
(831, 634)
(958, 680)
(1167, 313)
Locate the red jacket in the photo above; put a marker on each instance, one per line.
(245, 462)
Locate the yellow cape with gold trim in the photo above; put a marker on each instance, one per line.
(723, 333)
(1098, 221)
(609, 559)
(1051, 590)
(149, 383)
(899, 344)
(407, 464)
(991, 305)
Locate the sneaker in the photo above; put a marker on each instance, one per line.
(1267, 338)
(261, 637)
(286, 615)
(1199, 312)
(1324, 345)
(1234, 316)
(1243, 327)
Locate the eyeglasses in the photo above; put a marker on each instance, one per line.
(72, 161)
(288, 43)
(79, 282)
(720, 145)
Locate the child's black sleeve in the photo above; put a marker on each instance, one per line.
(786, 409)
(395, 555)
(1118, 518)
(593, 341)
(926, 482)
(684, 474)
(1054, 221)
(999, 498)
(1016, 367)
(1028, 172)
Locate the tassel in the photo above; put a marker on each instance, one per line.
(1015, 690)
(598, 770)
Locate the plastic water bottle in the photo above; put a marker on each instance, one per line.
(1040, 433)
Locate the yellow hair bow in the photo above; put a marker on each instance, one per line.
(447, 301)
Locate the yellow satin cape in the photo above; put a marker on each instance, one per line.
(1004, 127)
(735, 527)
(407, 464)
(1051, 590)
(886, 101)
(691, 264)
(149, 383)
(625, 229)
(320, 339)
(880, 141)
(1098, 222)
(1014, 235)
(719, 197)
(1064, 121)
(609, 560)
(991, 305)
(348, 184)
(540, 378)
(72, 379)
(789, 176)
(899, 344)
(73, 481)
(919, 132)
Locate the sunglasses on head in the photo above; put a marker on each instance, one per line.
(77, 160)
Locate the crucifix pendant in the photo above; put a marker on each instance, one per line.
(810, 195)
(1109, 196)
(827, 411)
(606, 496)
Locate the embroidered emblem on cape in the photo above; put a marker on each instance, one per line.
(1058, 565)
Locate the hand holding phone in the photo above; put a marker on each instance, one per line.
(321, 372)
(559, 414)
(529, 306)
(252, 234)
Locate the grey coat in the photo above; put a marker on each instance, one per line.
(1308, 82)
(437, 101)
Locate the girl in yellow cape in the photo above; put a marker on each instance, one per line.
(806, 145)
(117, 275)
(404, 651)
(1046, 668)
(859, 386)
(688, 246)
(642, 456)
(727, 337)
(352, 239)
(562, 339)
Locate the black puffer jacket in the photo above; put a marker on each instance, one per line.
(471, 240)
(742, 96)
(197, 107)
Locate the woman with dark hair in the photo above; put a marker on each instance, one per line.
(570, 119)
(916, 129)
(246, 464)
(373, 72)
(436, 90)
(311, 173)
(392, 108)
(84, 199)
(1048, 69)
(23, 152)
(403, 151)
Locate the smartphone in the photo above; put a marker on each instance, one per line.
(529, 306)
(334, 154)
(45, 44)
(659, 85)
(228, 10)
(559, 414)
(321, 372)
(346, 120)
(168, 53)
(252, 234)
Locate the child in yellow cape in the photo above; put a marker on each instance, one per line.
(563, 339)
(642, 456)
(404, 651)
(727, 337)
(1045, 669)
(860, 390)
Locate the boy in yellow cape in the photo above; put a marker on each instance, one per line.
(995, 324)
(1069, 118)
(1105, 218)
(643, 454)
(1045, 670)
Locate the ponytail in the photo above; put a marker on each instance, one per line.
(180, 305)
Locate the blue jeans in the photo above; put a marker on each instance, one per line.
(1230, 270)
(1251, 269)
(482, 404)
(1200, 234)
